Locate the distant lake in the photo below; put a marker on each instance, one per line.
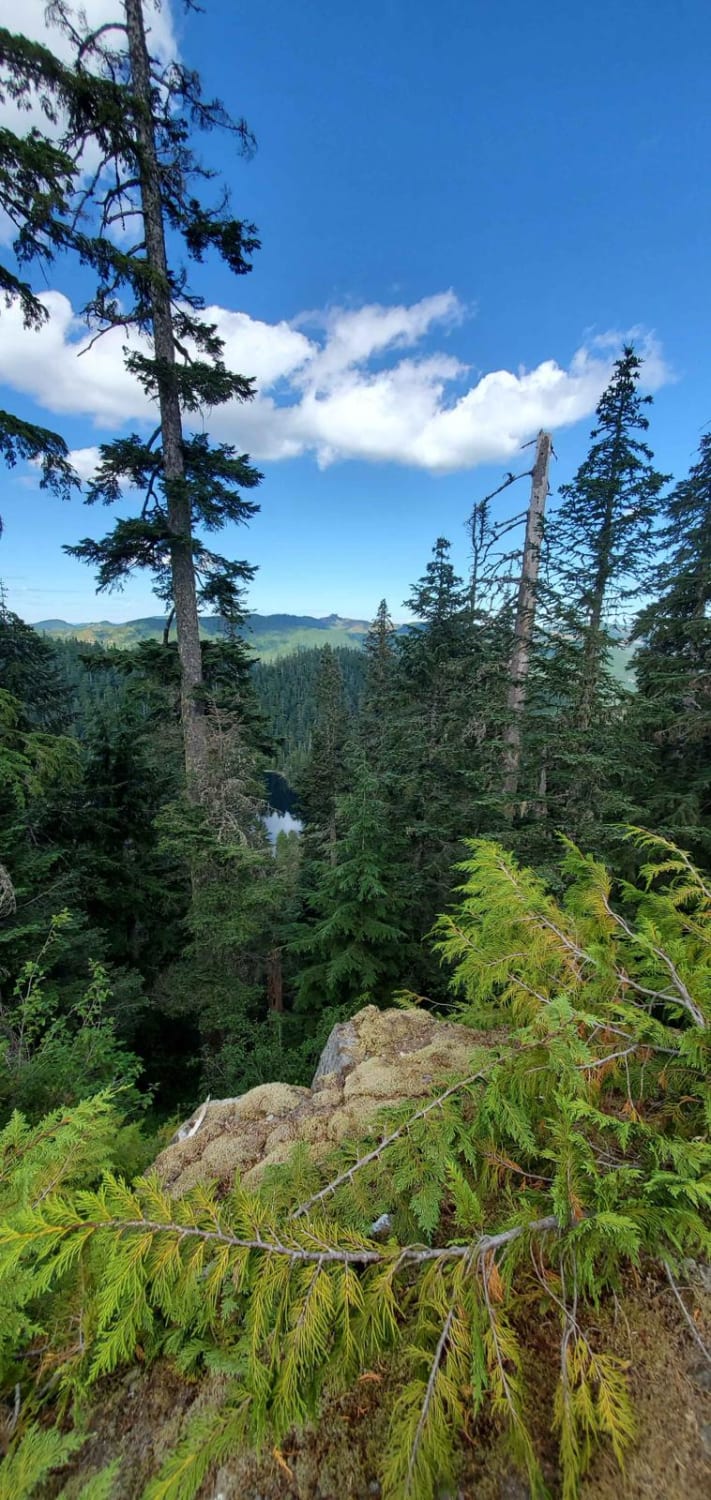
(281, 822)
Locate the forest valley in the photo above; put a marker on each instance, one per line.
(496, 828)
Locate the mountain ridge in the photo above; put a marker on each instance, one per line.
(271, 635)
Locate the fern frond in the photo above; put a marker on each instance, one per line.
(32, 1457)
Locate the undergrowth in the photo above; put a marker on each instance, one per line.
(574, 1150)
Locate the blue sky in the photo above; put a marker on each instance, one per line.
(462, 209)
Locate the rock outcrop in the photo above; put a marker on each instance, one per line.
(377, 1059)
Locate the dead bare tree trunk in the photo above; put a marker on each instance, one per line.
(275, 982)
(178, 501)
(525, 615)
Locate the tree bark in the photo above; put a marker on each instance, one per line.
(275, 983)
(177, 500)
(525, 614)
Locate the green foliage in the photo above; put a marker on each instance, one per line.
(50, 1055)
(576, 1147)
(69, 1148)
(287, 690)
(38, 1452)
(579, 748)
(353, 950)
(240, 892)
(103, 1485)
(37, 179)
(672, 664)
(324, 777)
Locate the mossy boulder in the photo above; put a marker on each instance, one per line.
(378, 1058)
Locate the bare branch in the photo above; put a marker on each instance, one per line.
(325, 1254)
(687, 1316)
(429, 1393)
(388, 1140)
(682, 995)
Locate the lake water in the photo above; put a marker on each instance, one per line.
(281, 822)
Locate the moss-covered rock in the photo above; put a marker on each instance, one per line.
(377, 1059)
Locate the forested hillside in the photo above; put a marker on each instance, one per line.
(159, 947)
(496, 828)
(271, 636)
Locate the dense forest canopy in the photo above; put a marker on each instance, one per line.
(466, 791)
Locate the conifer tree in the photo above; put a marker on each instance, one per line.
(601, 534)
(435, 735)
(672, 663)
(324, 777)
(37, 181)
(378, 717)
(598, 545)
(286, 689)
(379, 647)
(216, 988)
(31, 672)
(354, 950)
(138, 121)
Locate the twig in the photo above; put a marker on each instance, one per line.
(429, 1393)
(682, 996)
(388, 1140)
(688, 1319)
(361, 1255)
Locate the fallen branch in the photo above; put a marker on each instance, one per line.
(687, 1316)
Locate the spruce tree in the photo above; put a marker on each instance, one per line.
(324, 776)
(138, 121)
(433, 757)
(378, 718)
(379, 647)
(672, 663)
(601, 534)
(217, 989)
(353, 949)
(37, 180)
(597, 548)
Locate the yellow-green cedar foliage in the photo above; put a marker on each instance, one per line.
(575, 1148)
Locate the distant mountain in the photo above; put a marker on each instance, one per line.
(270, 635)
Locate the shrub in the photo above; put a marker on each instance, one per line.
(575, 1148)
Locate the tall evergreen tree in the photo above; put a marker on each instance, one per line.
(378, 711)
(324, 777)
(672, 663)
(50, 951)
(354, 947)
(286, 690)
(433, 768)
(600, 537)
(597, 545)
(37, 181)
(217, 990)
(379, 647)
(136, 118)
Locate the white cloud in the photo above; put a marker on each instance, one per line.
(85, 461)
(367, 384)
(33, 22)
(48, 364)
(354, 336)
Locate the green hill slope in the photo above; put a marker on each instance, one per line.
(271, 636)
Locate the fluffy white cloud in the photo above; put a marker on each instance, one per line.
(35, 25)
(360, 385)
(85, 461)
(56, 366)
(32, 19)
